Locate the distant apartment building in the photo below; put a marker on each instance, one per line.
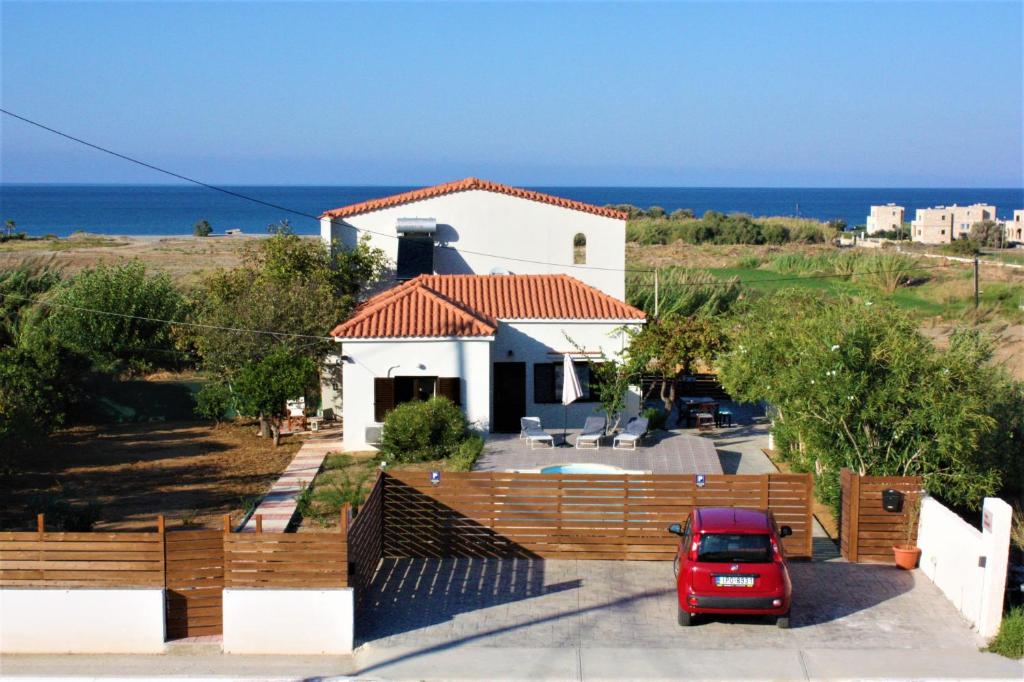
(1015, 228)
(943, 224)
(885, 218)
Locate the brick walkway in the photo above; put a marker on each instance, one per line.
(278, 507)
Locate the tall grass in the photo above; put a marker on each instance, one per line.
(887, 271)
(682, 292)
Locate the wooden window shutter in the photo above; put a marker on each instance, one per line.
(451, 388)
(383, 397)
(543, 383)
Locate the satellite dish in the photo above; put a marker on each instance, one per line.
(499, 271)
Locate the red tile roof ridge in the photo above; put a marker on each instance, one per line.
(470, 184)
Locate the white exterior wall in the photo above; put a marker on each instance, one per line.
(81, 621)
(968, 565)
(495, 223)
(296, 621)
(544, 342)
(365, 360)
(888, 217)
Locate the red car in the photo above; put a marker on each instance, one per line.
(731, 561)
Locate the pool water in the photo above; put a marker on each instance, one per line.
(582, 469)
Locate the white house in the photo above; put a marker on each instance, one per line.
(493, 344)
(475, 226)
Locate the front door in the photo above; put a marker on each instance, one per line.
(509, 390)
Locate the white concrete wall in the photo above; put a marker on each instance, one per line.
(495, 223)
(968, 565)
(294, 621)
(543, 342)
(466, 358)
(81, 621)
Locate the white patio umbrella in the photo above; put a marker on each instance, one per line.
(571, 392)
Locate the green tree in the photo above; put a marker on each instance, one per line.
(673, 345)
(118, 316)
(202, 228)
(20, 288)
(988, 233)
(263, 387)
(9, 227)
(289, 288)
(854, 384)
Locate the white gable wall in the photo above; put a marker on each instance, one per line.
(494, 223)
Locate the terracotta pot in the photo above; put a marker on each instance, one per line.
(907, 556)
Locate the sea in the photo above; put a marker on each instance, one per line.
(41, 209)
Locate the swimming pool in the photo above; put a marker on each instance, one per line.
(581, 468)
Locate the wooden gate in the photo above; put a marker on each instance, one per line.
(194, 583)
(867, 531)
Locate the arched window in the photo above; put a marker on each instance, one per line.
(579, 249)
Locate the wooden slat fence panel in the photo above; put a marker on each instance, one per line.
(573, 516)
(868, 532)
(194, 583)
(81, 559)
(365, 548)
(283, 560)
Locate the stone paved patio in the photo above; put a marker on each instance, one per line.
(666, 452)
(590, 604)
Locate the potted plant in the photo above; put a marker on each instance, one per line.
(908, 553)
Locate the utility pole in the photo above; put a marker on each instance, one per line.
(656, 302)
(975, 282)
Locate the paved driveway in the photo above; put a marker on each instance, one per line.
(599, 604)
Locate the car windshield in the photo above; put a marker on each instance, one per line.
(738, 548)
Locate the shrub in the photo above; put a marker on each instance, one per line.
(775, 234)
(214, 401)
(468, 453)
(656, 418)
(202, 229)
(112, 342)
(423, 430)
(655, 212)
(1010, 640)
(681, 214)
(961, 247)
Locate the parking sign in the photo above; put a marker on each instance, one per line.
(700, 480)
(435, 477)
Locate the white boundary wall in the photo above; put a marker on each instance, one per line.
(81, 621)
(290, 621)
(968, 565)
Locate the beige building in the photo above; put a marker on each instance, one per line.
(943, 224)
(885, 218)
(1015, 228)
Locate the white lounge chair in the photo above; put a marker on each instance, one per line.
(634, 431)
(530, 429)
(590, 436)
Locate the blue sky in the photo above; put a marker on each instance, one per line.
(688, 94)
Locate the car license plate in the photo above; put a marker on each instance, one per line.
(734, 581)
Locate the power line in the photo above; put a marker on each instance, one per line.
(246, 197)
(237, 330)
(286, 209)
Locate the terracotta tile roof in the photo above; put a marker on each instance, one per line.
(462, 186)
(471, 305)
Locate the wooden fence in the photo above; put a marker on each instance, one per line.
(867, 532)
(193, 566)
(558, 516)
(194, 582)
(364, 538)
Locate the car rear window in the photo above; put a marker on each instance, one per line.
(735, 548)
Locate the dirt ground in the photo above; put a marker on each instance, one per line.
(185, 259)
(192, 472)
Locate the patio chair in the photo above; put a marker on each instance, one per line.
(590, 436)
(635, 430)
(530, 429)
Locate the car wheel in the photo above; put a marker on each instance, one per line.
(684, 618)
(783, 621)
